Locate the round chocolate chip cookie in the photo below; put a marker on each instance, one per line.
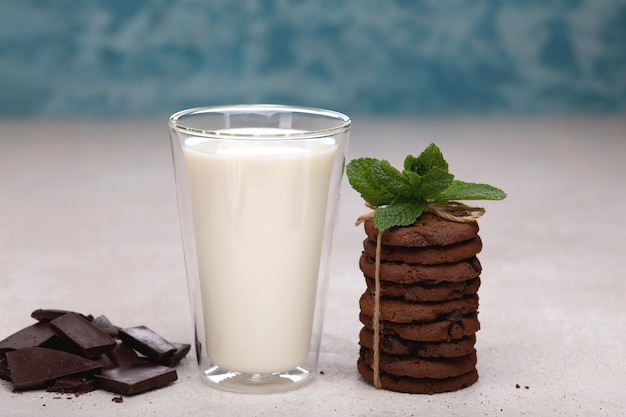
(417, 385)
(427, 255)
(421, 292)
(417, 367)
(405, 273)
(451, 328)
(396, 346)
(399, 311)
(428, 230)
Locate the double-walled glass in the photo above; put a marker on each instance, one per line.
(258, 190)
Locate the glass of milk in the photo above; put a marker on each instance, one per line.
(258, 189)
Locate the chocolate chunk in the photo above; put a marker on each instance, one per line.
(64, 351)
(74, 385)
(146, 341)
(105, 324)
(136, 378)
(182, 349)
(35, 367)
(59, 344)
(105, 361)
(123, 355)
(50, 314)
(82, 334)
(34, 335)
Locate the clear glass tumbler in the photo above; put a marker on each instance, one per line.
(258, 190)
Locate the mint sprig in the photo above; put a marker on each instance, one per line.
(401, 197)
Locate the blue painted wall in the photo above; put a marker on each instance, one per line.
(111, 58)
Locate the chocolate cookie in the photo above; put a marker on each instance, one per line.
(428, 255)
(417, 385)
(425, 292)
(428, 230)
(404, 273)
(451, 328)
(398, 311)
(417, 367)
(397, 346)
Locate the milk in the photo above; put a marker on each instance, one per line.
(258, 211)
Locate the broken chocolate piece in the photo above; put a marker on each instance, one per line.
(90, 340)
(136, 378)
(74, 385)
(146, 341)
(35, 367)
(50, 314)
(59, 344)
(105, 324)
(65, 350)
(182, 349)
(105, 361)
(123, 355)
(34, 335)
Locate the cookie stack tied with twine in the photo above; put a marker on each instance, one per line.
(420, 308)
(421, 304)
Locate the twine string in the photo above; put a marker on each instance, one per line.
(449, 210)
(377, 322)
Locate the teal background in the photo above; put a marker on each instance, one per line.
(130, 58)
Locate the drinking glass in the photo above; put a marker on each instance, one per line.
(258, 190)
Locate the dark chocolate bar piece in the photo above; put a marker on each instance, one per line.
(74, 385)
(136, 378)
(90, 340)
(182, 349)
(105, 324)
(36, 367)
(123, 354)
(69, 352)
(146, 341)
(49, 314)
(105, 361)
(36, 334)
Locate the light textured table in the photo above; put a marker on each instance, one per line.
(88, 222)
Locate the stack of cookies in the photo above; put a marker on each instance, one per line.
(429, 277)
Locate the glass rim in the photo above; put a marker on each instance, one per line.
(176, 123)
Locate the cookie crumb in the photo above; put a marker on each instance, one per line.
(117, 400)
(517, 386)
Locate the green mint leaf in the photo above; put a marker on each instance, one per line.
(460, 190)
(390, 178)
(398, 214)
(359, 172)
(430, 158)
(434, 182)
(414, 178)
(401, 197)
